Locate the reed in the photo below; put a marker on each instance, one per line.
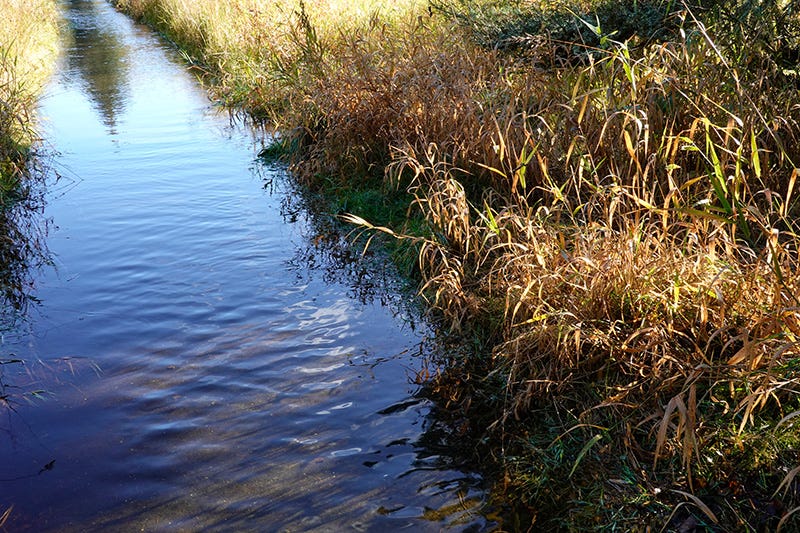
(28, 48)
(607, 211)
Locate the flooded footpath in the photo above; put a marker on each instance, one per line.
(192, 365)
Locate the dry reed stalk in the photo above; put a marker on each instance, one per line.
(641, 266)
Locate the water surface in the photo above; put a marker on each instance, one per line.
(196, 372)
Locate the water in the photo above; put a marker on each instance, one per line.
(187, 368)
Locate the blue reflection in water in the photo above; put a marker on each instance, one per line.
(233, 392)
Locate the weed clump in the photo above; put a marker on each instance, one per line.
(29, 33)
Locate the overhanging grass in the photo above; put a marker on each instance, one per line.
(28, 49)
(29, 42)
(611, 219)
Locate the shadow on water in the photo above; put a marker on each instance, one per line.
(97, 61)
(23, 255)
(23, 248)
(335, 251)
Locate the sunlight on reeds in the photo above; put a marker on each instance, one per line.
(28, 48)
(252, 48)
(633, 215)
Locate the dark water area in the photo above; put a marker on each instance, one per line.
(23, 251)
(194, 362)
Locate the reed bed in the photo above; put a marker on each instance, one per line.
(608, 214)
(248, 49)
(28, 48)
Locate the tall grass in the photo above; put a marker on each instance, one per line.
(28, 49)
(608, 212)
(249, 48)
(639, 234)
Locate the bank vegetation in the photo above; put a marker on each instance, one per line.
(29, 43)
(602, 200)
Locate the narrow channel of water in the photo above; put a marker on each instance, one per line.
(196, 374)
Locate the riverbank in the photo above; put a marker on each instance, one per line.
(603, 208)
(28, 50)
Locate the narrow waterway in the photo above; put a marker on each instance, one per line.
(189, 367)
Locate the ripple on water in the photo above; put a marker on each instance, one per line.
(238, 391)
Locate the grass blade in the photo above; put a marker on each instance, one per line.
(583, 452)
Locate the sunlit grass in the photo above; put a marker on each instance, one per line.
(28, 49)
(253, 48)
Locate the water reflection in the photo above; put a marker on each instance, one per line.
(23, 249)
(339, 253)
(445, 443)
(243, 387)
(97, 61)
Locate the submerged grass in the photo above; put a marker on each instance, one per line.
(605, 211)
(28, 48)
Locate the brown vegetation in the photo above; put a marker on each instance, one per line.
(28, 48)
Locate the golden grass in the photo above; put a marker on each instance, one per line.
(29, 36)
(634, 215)
(250, 47)
(28, 49)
